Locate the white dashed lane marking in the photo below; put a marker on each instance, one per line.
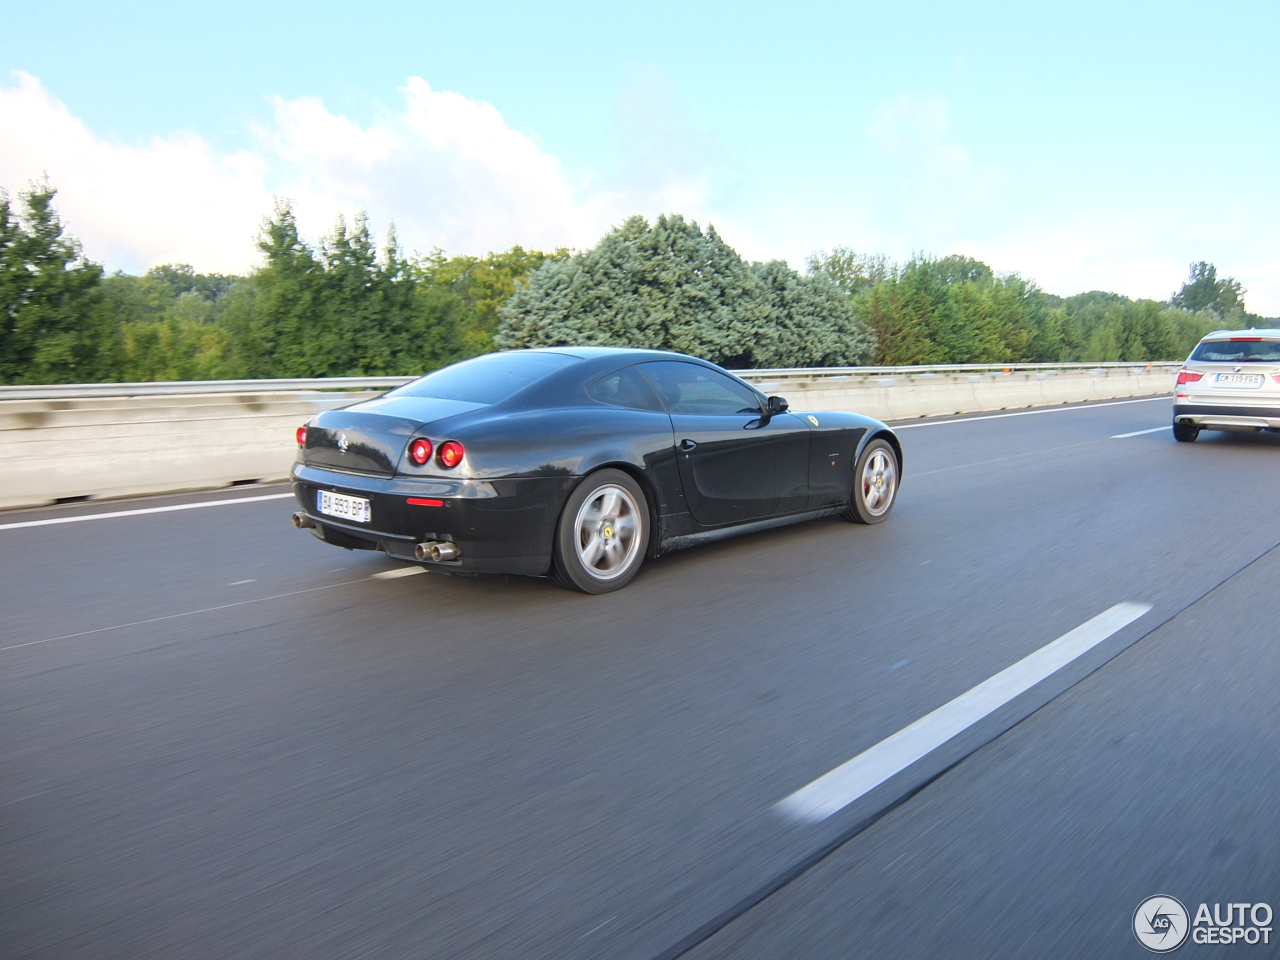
(402, 572)
(834, 791)
(1139, 433)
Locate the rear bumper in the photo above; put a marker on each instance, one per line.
(501, 526)
(1216, 416)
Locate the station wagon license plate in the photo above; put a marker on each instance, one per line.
(344, 507)
(1238, 379)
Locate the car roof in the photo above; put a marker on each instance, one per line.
(1270, 333)
(591, 353)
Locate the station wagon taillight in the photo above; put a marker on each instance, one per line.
(451, 453)
(1189, 376)
(420, 451)
(301, 436)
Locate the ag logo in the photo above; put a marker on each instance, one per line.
(1161, 924)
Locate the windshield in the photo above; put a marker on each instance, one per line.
(487, 379)
(1237, 350)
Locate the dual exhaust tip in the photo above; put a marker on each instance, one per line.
(437, 550)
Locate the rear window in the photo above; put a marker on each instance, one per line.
(1235, 351)
(487, 379)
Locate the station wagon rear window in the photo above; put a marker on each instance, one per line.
(488, 379)
(1236, 351)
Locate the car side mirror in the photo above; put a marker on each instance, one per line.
(778, 405)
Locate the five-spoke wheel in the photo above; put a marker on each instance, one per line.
(603, 533)
(875, 483)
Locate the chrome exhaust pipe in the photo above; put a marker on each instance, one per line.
(445, 551)
(302, 521)
(437, 550)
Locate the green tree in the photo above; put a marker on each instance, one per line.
(666, 286)
(54, 323)
(467, 292)
(949, 310)
(809, 322)
(851, 272)
(671, 286)
(1204, 291)
(345, 310)
(170, 323)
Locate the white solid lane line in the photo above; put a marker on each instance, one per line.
(834, 791)
(1139, 433)
(1029, 413)
(139, 512)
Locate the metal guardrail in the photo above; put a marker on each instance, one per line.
(311, 385)
(169, 388)
(841, 373)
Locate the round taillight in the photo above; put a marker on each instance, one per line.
(420, 451)
(451, 453)
(302, 436)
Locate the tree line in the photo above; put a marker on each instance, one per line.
(349, 306)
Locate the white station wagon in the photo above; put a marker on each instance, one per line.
(1231, 381)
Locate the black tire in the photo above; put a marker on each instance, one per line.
(621, 533)
(872, 502)
(1184, 431)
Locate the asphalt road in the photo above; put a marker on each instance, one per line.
(222, 738)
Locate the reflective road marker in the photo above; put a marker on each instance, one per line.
(846, 783)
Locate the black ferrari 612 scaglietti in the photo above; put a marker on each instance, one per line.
(578, 462)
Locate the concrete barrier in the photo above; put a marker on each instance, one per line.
(61, 449)
(904, 394)
(62, 443)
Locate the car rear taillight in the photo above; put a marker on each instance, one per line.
(451, 453)
(301, 436)
(1246, 339)
(420, 451)
(1189, 376)
(1276, 377)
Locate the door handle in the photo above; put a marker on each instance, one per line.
(687, 444)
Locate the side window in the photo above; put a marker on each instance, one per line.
(624, 388)
(689, 388)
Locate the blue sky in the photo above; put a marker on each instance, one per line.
(1083, 145)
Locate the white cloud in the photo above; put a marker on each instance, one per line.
(172, 199)
(449, 171)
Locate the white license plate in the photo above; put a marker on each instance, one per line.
(344, 507)
(1238, 379)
